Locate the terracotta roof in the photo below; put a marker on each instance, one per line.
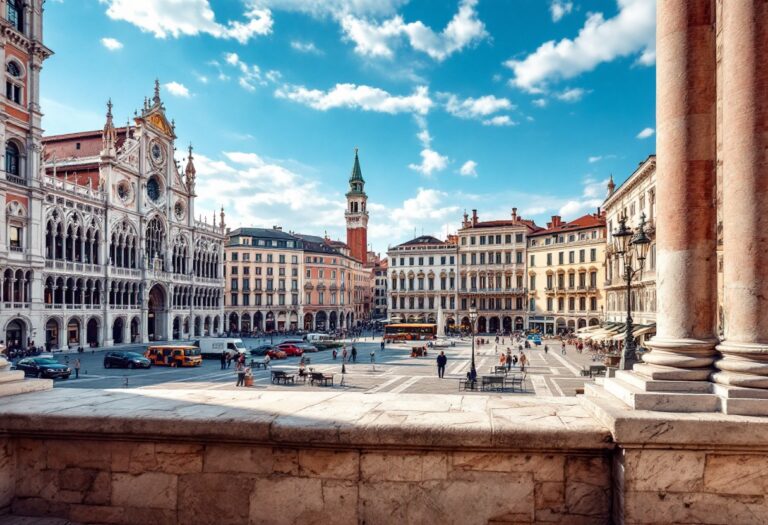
(585, 221)
(66, 146)
(507, 222)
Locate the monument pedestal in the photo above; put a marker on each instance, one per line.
(12, 382)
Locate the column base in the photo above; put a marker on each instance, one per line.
(643, 393)
(683, 359)
(742, 365)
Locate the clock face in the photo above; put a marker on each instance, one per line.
(153, 189)
(178, 209)
(156, 150)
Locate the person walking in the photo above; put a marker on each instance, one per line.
(442, 359)
(223, 359)
(523, 361)
(382, 345)
(344, 355)
(546, 349)
(240, 371)
(354, 354)
(562, 351)
(509, 360)
(229, 360)
(77, 368)
(503, 359)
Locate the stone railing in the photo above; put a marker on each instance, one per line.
(174, 456)
(71, 188)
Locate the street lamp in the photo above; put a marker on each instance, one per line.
(628, 246)
(472, 319)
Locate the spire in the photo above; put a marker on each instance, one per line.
(356, 181)
(109, 135)
(222, 225)
(190, 171)
(611, 186)
(156, 98)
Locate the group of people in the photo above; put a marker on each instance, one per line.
(350, 357)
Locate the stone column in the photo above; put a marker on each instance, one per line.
(686, 242)
(745, 194)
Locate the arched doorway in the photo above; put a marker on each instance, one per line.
(233, 320)
(506, 324)
(493, 325)
(594, 322)
(176, 328)
(332, 321)
(156, 315)
(92, 332)
(519, 323)
(481, 325)
(51, 334)
(73, 332)
(216, 325)
(117, 331)
(186, 326)
(245, 324)
(321, 320)
(582, 323)
(135, 324)
(308, 322)
(258, 321)
(294, 321)
(465, 324)
(270, 327)
(207, 326)
(197, 326)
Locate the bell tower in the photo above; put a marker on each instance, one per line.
(357, 214)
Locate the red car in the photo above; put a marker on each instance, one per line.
(290, 349)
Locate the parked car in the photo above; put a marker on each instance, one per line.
(306, 347)
(125, 360)
(275, 353)
(43, 367)
(290, 349)
(260, 350)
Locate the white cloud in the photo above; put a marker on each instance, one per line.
(164, 18)
(475, 108)
(111, 44)
(431, 160)
(362, 97)
(430, 211)
(560, 8)
(333, 8)
(250, 74)
(305, 47)
(540, 102)
(468, 169)
(593, 195)
(571, 95)
(377, 39)
(596, 158)
(645, 133)
(499, 120)
(256, 192)
(177, 90)
(631, 32)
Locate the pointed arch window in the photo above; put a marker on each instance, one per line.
(15, 14)
(155, 239)
(12, 159)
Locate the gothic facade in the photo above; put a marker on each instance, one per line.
(102, 246)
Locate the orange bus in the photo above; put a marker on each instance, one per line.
(409, 332)
(174, 355)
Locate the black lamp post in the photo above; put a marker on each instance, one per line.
(629, 245)
(472, 319)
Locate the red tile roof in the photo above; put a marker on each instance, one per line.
(590, 220)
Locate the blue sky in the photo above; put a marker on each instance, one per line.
(454, 104)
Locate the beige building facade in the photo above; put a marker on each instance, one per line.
(492, 272)
(635, 198)
(566, 274)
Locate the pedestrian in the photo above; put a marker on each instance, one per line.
(224, 360)
(240, 371)
(546, 349)
(344, 355)
(441, 362)
(373, 356)
(562, 351)
(514, 360)
(502, 359)
(334, 354)
(77, 368)
(523, 362)
(229, 360)
(509, 360)
(354, 354)
(382, 345)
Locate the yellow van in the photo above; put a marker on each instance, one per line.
(174, 355)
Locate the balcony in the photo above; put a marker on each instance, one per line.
(15, 179)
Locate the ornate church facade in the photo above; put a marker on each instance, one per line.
(100, 244)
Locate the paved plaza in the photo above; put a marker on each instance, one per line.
(393, 371)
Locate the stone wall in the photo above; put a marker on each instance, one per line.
(7, 474)
(132, 482)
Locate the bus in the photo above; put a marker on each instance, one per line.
(409, 332)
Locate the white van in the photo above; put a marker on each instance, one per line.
(213, 347)
(316, 338)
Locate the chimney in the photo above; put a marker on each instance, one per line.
(556, 221)
(474, 217)
(514, 214)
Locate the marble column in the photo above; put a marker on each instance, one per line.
(685, 236)
(744, 350)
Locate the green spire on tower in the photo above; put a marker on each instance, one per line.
(356, 181)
